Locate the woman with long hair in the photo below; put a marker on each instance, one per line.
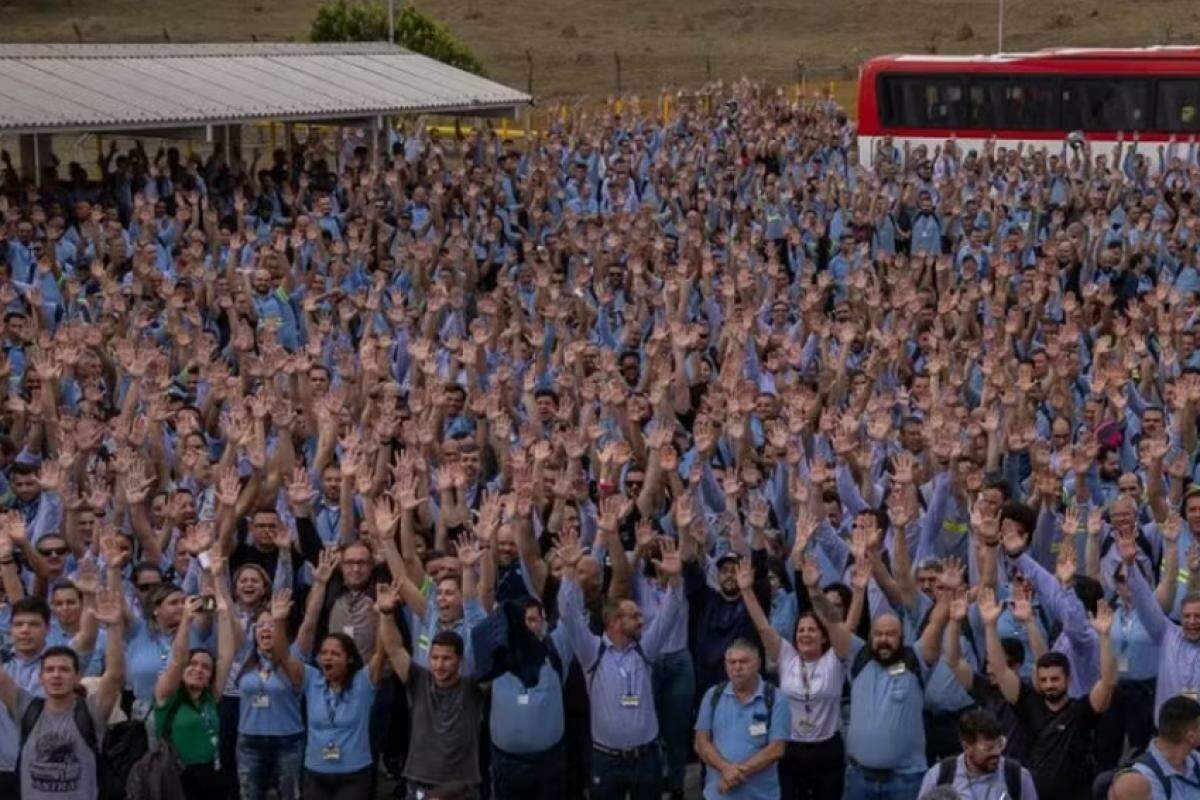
(185, 695)
(811, 675)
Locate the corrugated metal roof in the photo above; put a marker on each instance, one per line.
(47, 87)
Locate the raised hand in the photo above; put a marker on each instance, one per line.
(745, 576)
(387, 597)
(110, 606)
(327, 561)
(281, 605)
(989, 609)
(1102, 620)
(670, 564)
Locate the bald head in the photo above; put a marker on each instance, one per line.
(886, 637)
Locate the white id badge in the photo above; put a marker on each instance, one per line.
(629, 701)
(331, 753)
(523, 699)
(261, 701)
(758, 729)
(897, 669)
(348, 630)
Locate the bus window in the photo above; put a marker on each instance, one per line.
(1013, 103)
(919, 101)
(1178, 106)
(1111, 104)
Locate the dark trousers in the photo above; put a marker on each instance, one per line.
(615, 778)
(227, 712)
(529, 776)
(202, 782)
(674, 686)
(813, 770)
(10, 784)
(941, 734)
(1130, 715)
(338, 786)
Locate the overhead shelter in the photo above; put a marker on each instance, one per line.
(185, 89)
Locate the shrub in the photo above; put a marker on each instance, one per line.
(366, 21)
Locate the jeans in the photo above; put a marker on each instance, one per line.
(616, 778)
(264, 762)
(897, 786)
(674, 685)
(529, 776)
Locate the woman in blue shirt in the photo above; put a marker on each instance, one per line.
(338, 697)
(270, 728)
(148, 647)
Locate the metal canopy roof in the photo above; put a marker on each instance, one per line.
(59, 87)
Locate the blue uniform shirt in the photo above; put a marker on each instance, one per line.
(740, 730)
(338, 723)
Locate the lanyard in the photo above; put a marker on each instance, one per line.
(332, 701)
(807, 689)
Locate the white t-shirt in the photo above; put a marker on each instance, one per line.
(814, 693)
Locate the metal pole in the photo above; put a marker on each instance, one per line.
(1000, 28)
(391, 21)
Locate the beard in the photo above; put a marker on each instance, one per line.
(887, 655)
(1056, 696)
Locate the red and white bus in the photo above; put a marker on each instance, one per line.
(1037, 98)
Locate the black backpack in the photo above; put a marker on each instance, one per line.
(768, 696)
(1012, 775)
(906, 655)
(83, 722)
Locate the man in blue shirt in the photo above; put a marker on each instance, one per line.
(625, 758)
(526, 722)
(1170, 766)
(981, 770)
(885, 740)
(741, 730)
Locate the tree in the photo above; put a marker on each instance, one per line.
(366, 21)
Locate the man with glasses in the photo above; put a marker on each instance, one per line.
(981, 770)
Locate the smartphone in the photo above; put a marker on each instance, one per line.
(204, 559)
(208, 603)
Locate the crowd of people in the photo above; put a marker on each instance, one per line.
(541, 468)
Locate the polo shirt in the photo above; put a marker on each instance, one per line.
(1060, 743)
(740, 730)
(1184, 786)
(195, 730)
(887, 728)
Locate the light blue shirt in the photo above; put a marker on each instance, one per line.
(338, 722)
(530, 719)
(886, 730)
(24, 672)
(620, 688)
(1183, 786)
(990, 786)
(269, 704)
(740, 730)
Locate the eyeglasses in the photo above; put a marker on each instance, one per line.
(53, 551)
(146, 587)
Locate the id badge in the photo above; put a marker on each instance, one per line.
(629, 701)
(758, 729)
(523, 699)
(897, 669)
(1123, 664)
(261, 701)
(331, 753)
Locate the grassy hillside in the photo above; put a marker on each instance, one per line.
(675, 42)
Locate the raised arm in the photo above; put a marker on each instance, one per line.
(1145, 604)
(840, 637)
(110, 611)
(1007, 681)
(168, 682)
(1101, 694)
(390, 642)
(770, 637)
(570, 603)
(952, 642)
(281, 608)
(326, 564)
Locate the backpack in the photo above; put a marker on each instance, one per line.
(124, 744)
(768, 697)
(906, 655)
(1103, 782)
(158, 775)
(1012, 775)
(83, 723)
(600, 651)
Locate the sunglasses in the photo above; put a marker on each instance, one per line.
(53, 551)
